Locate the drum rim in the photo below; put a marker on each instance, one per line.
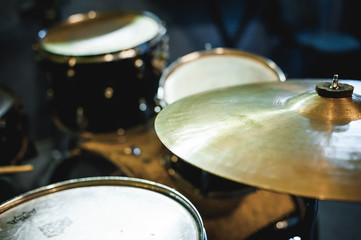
(108, 181)
(219, 51)
(104, 57)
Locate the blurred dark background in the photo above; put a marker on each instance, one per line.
(307, 39)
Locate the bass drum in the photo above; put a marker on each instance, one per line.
(14, 127)
(102, 69)
(204, 71)
(101, 208)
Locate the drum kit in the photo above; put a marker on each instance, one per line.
(216, 145)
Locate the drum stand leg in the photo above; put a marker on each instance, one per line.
(310, 218)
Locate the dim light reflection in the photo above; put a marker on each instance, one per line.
(72, 62)
(108, 57)
(157, 109)
(282, 225)
(127, 53)
(120, 131)
(295, 238)
(92, 14)
(70, 73)
(138, 63)
(76, 18)
(190, 57)
(219, 50)
(41, 33)
(142, 107)
(108, 93)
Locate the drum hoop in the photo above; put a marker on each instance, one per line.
(108, 181)
(220, 51)
(106, 57)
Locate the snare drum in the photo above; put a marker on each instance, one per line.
(204, 71)
(102, 69)
(101, 208)
(14, 127)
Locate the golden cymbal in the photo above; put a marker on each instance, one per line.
(279, 136)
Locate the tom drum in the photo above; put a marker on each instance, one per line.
(102, 69)
(215, 68)
(204, 71)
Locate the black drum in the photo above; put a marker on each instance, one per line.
(14, 127)
(203, 71)
(212, 69)
(101, 208)
(102, 69)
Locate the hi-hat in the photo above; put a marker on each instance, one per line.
(280, 136)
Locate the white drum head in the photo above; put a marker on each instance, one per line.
(101, 208)
(211, 69)
(100, 33)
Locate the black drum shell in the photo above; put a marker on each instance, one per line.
(86, 89)
(98, 95)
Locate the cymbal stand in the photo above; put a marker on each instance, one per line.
(310, 218)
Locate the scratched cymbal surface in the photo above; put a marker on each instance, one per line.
(279, 136)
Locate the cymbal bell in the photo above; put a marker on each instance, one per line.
(279, 136)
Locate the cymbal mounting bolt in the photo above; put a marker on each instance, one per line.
(335, 82)
(334, 89)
